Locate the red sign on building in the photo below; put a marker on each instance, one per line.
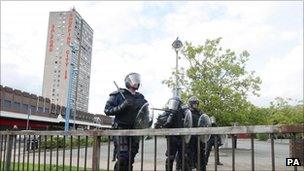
(67, 52)
(70, 22)
(68, 42)
(51, 39)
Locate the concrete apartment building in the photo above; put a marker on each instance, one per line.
(68, 60)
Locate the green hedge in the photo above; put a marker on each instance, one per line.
(59, 142)
(262, 136)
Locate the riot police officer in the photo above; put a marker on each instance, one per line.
(193, 103)
(174, 119)
(124, 104)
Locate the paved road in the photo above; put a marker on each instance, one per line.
(243, 156)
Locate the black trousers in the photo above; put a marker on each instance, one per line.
(175, 150)
(125, 154)
(211, 143)
(115, 149)
(193, 154)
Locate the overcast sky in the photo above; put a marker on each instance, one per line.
(137, 36)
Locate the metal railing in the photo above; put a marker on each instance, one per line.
(81, 150)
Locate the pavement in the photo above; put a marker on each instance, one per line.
(262, 155)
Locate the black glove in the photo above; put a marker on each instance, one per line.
(127, 103)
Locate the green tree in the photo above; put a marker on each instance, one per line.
(219, 79)
(257, 116)
(282, 112)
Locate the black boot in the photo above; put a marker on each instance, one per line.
(219, 163)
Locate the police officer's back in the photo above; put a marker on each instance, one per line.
(173, 118)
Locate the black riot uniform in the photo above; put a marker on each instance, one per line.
(174, 143)
(192, 146)
(124, 105)
(115, 141)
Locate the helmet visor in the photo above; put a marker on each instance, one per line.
(134, 79)
(173, 104)
(194, 104)
(193, 100)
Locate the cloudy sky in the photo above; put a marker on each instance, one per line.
(137, 36)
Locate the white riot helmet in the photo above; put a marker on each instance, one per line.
(132, 80)
(174, 103)
(193, 102)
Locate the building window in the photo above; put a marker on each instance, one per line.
(16, 105)
(40, 109)
(33, 108)
(24, 107)
(7, 103)
(46, 110)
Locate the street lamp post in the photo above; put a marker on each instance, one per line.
(28, 118)
(74, 118)
(70, 101)
(68, 107)
(75, 72)
(72, 77)
(177, 45)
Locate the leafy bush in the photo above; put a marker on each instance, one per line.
(262, 137)
(59, 142)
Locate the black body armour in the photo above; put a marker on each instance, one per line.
(124, 117)
(127, 117)
(195, 116)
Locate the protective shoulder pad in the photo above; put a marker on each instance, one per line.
(140, 95)
(118, 91)
(114, 93)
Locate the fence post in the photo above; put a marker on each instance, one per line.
(9, 150)
(96, 153)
